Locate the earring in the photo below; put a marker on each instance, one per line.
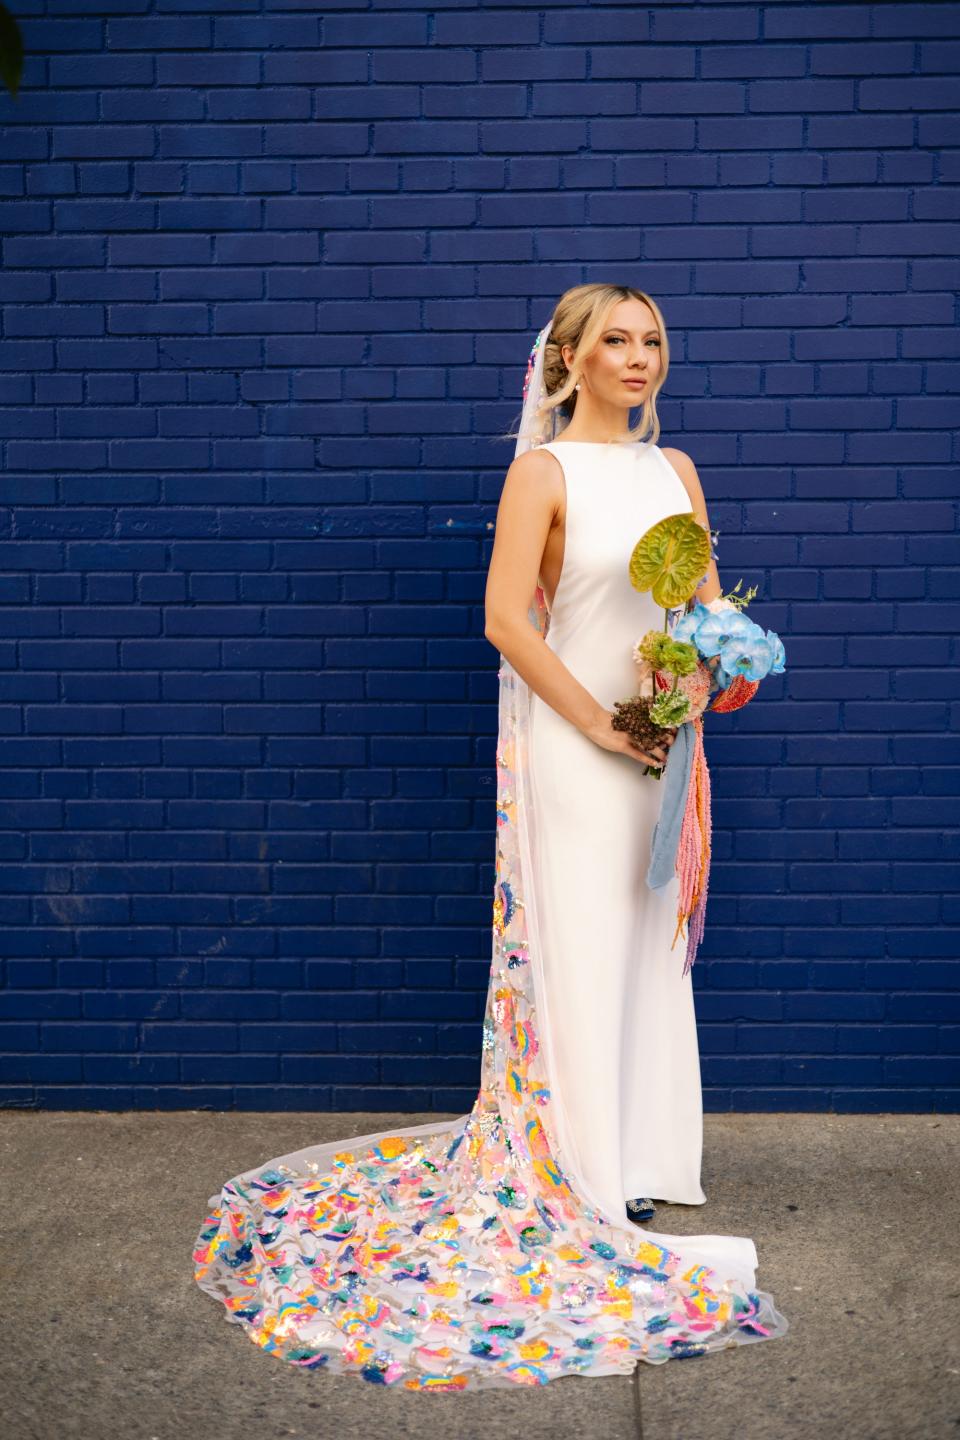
(577, 386)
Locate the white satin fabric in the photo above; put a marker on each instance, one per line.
(476, 1252)
(626, 1067)
(623, 1031)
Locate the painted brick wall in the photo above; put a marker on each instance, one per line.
(269, 279)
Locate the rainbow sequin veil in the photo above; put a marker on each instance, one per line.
(466, 1253)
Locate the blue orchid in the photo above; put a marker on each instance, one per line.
(742, 646)
(709, 630)
(779, 654)
(749, 654)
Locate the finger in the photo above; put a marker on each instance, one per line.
(648, 758)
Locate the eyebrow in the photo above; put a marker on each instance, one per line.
(624, 331)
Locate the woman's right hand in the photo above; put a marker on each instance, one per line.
(603, 734)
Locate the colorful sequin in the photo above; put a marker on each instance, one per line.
(466, 1259)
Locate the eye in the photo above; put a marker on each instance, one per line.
(655, 342)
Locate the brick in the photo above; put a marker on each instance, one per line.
(265, 304)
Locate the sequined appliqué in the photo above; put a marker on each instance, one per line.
(441, 1263)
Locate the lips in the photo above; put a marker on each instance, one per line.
(635, 384)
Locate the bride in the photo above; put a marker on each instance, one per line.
(509, 1246)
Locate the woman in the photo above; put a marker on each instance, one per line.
(497, 1249)
(627, 1070)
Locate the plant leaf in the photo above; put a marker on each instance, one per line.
(670, 558)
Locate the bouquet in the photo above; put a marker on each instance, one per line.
(712, 653)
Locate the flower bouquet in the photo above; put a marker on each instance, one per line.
(712, 653)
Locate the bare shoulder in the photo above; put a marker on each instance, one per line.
(687, 471)
(536, 476)
(537, 461)
(676, 457)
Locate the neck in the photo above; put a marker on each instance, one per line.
(598, 424)
(620, 439)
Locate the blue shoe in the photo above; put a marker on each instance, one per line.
(641, 1209)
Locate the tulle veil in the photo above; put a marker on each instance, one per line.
(469, 1253)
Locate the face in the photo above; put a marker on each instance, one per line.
(628, 350)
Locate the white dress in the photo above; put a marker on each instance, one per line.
(626, 1076)
(494, 1249)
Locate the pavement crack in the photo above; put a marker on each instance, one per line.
(637, 1407)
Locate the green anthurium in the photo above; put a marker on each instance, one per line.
(670, 558)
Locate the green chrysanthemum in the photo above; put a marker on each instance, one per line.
(662, 652)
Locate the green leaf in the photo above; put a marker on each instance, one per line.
(11, 51)
(670, 558)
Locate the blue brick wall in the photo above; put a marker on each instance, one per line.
(269, 279)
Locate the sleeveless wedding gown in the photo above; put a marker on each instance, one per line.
(622, 1023)
(495, 1249)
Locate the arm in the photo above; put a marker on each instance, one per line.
(685, 468)
(531, 498)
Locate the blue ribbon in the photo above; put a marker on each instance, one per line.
(676, 784)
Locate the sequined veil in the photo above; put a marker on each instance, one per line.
(467, 1253)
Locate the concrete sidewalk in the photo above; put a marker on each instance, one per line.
(854, 1218)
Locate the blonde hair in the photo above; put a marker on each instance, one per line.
(579, 319)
